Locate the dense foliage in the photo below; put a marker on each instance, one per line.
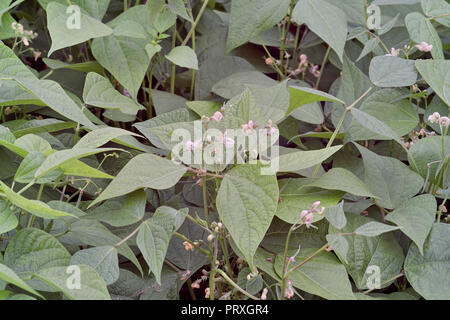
(342, 196)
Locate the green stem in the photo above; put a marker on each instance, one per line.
(231, 282)
(285, 264)
(200, 13)
(273, 60)
(125, 5)
(172, 77)
(387, 281)
(341, 121)
(322, 68)
(306, 260)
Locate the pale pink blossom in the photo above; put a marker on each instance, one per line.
(434, 118)
(264, 294)
(289, 291)
(194, 145)
(217, 116)
(424, 47)
(248, 127)
(444, 121)
(394, 53)
(269, 61)
(315, 71)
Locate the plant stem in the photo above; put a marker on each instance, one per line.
(387, 281)
(341, 121)
(322, 68)
(274, 63)
(230, 281)
(118, 244)
(172, 77)
(307, 259)
(200, 13)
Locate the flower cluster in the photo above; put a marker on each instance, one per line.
(424, 47)
(442, 121)
(26, 35)
(307, 216)
(304, 65)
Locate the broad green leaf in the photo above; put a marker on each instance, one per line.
(249, 18)
(339, 245)
(154, 237)
(296, 195)
(31, 250)
(336, 215)
(9, 276)
(88, 66)
(62, 157)
(37, 208)
(323, 275)
(237, 83)
(426, 155)
(374, 229)
(342, 179)
(429, 274)
(437, 9)
(29, 165)
(92, 286)
(98, 137)
(143, 171)
(300, 96)
(389, 179)
(374, 124)
(437, 74)
(99, 92)
(102, 259)
(369, 46)
(324, 19)
(64, 34)
(421, 30)
(122, 211)
(367, 255)
(40, 126)
(183, 56)
(311, 112)
(386, 71)
(389, 107)
(8, 219)
(298, 160)
(416, 218)
(246, 203)
(125, 57)
(178, 7)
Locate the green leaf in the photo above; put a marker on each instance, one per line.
(336, 215)
(374, 229)
(58, 22)
(436, 8)
(40, 126)
(99, 92)
(179, 8)
(389, 107)
(183, 56)
(298, 160)
(122, 211)
(421, 30)
(98, 137)
(324, 19)
(92, 286)
(367, 254)
(338, 243)
(154, 237)
(386, 71)
(9, 276)
(323, 276)
(27, 169)
(416, 218)
(429, 274)
(37, 208)
(102, 259)
(296, 195)
(249, 18)
(143, 171)
(389, 179)
(369, 46)
(88, 66)
(31, 250)
(342, 179)
(8, 219)
(246, 203)
(437, 74)
(311, 112)
(59, 158)
(207, 108)
(373, 124)
(300, 96)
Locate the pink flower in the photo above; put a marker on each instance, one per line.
(227, 141)
(264, 294)
(248, 128)
(289, 291)
(425, 47)
(444, 121)
(434, 118)
(269, 61)
(197, 144)
(394, 52)
(217, 116)
(196, 284)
